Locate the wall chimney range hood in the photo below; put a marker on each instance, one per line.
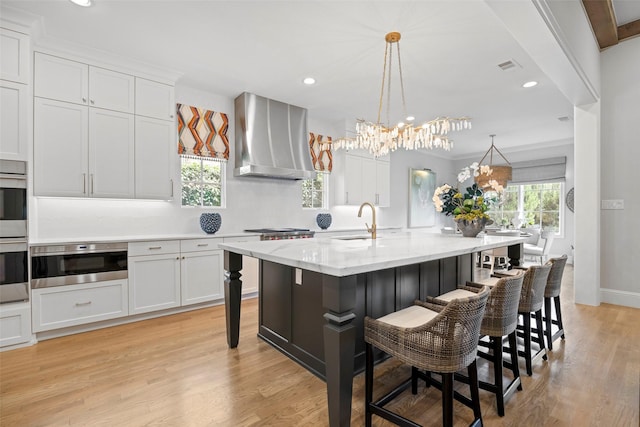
(271, 139)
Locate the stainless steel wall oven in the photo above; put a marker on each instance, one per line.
(13, 199)
(59, 265)
(14, 271)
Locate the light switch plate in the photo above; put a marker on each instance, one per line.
(613, 204)
(298, 276)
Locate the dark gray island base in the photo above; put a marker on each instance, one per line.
(297, 307)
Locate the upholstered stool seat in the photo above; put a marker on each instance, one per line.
(440, 338)
(500, 320)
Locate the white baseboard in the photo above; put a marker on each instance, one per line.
(614, 296)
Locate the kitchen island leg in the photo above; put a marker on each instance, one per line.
(339, 299)
(232, 296)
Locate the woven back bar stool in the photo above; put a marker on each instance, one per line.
(434, 337)
(531, 301)
(552, 292)
(500, 320)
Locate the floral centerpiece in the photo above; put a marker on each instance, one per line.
(469, 207)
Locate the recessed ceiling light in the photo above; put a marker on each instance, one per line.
(83, 3)
(309, 81)
(530, 84)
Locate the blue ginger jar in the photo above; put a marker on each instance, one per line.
(210, 222)
(323, 220)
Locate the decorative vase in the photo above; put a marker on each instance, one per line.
(210, 222)
(474, 227)
(323, 220)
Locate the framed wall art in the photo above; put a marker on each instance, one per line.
(422, 184)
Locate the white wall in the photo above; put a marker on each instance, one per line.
(620, 151)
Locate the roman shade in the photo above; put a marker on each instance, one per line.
(541, 170)
(320, 150)
(202, 133)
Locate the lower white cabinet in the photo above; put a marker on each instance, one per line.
(171, 273)
(64, 306)
(15, 323)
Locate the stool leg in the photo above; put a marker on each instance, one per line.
(497, 370)
(447, 399)
(513, 346)
(547, 322)
(556, 301)
(368, 384)
(414, 380)
(526, 319)
(475, 390)
(540, 332)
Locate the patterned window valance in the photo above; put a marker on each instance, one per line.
(320, 153)
(202, 133)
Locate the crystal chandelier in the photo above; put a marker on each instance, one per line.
(380, 139)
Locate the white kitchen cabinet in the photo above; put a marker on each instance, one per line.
(64, 306)
(111, 90)
(111, 154)
(155, 146)
(154, 276)
(361, 178)
(156, 100)
(61, 79)
(13, 121)
(60, 148)
(14, 56)
(201, 271)
(15, 323)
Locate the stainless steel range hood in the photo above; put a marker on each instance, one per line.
(271, 139)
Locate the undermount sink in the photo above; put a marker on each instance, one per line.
(358, 237)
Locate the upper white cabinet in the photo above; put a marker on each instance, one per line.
(361, 178)
(72, 81)
(89, 138)
(14, 56)
(14, 103)
(155, 100)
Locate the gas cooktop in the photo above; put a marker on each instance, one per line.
(282, 233)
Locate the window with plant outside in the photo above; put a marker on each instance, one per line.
(314, 192)
(202, 181)
(533, 204)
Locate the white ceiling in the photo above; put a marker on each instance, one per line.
(450, 53)
(626, 11)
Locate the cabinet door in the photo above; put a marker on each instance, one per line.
(383, 183)
(13, 121)
(14, 56)
(15, 324)
(369, 193)
(111, 90)
(61, 79)
(154, 283)
(155, 99)
(111, 151)
(155, 146)
(352, 180)
(201, 276)
(60, 148)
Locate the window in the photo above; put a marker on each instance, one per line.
(538, 204)
(202, 181)
(315, 192)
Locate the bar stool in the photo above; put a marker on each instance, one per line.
(500, 319)
(552, 291)
(441, 338)
(531, 300)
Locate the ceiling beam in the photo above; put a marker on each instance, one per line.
(629, 29)
(603, 21)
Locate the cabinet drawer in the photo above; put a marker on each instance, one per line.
(65, 306)
(198, 245)
(156, 247)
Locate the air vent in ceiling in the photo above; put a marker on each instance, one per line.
(509, 65)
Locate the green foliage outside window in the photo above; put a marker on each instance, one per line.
(539, 204)
(201, 182)
(313, 192)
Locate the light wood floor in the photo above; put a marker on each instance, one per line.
(178, 371)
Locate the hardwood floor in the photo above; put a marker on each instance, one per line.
(178, 371)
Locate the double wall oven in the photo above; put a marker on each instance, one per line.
(14, 265)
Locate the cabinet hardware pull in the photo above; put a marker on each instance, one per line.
(155, 247)
(91, 175)
(346, 197)
(183, 257)
(171, 181)
(202, 244)
(84, 100)
(84, 183)
(79, 304)
(177, 258)
(92, 101)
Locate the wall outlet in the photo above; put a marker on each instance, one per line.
(612, 204)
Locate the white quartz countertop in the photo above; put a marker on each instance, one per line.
(347, 255)
(138, 238)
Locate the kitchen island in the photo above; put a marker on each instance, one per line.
(315, 293)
